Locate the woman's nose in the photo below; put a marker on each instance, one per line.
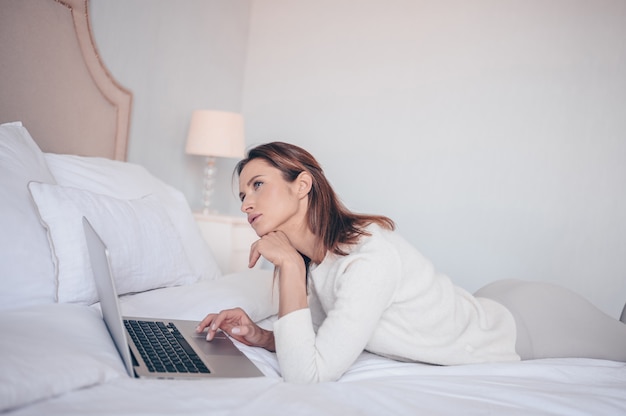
(245, 205)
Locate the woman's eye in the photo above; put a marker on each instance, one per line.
(256, 184)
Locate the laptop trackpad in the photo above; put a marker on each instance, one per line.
(220, 345)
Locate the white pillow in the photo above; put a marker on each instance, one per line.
(26, 270)
(130, 181)
(252, 290)
(144, 248)
(52, 349)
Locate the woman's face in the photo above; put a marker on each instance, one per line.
(271, 203)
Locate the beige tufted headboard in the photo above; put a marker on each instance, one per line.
(53, 81)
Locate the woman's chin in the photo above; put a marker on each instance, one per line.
(259, 230)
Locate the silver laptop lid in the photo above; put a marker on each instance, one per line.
(100, 265)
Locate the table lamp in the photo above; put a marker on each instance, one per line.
(214, 134)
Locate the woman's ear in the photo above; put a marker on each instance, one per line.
(304, 182)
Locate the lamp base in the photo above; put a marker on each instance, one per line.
(208, 183)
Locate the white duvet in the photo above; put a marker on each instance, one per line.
(59, 360)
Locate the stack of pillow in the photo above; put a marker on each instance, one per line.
(146, 224)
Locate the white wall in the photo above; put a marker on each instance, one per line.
(175, 57)
(493, 132)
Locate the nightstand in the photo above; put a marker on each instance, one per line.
(229, 238)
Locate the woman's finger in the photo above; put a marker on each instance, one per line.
(225, 320)
(205, 322)
(216, 324)
(255, 255)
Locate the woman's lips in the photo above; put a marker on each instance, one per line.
(253, 217)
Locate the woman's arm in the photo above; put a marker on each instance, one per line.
(276, 248)
(292, 288)
(356, 295)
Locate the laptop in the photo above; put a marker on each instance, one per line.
(138, 340)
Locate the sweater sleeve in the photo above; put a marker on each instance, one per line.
(363, 286)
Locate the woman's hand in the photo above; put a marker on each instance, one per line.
(276, 248)
(236, 323)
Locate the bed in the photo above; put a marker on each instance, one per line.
(63, 142)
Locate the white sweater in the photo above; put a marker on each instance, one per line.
(386, 298)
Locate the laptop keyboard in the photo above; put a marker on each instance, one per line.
(163, 348)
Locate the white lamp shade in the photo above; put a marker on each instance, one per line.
(216, 133)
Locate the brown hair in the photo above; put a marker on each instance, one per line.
(328, 218)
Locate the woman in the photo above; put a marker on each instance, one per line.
(347, 283)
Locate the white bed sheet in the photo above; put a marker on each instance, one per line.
(373, 386)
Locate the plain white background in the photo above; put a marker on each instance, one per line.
(493, 132)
